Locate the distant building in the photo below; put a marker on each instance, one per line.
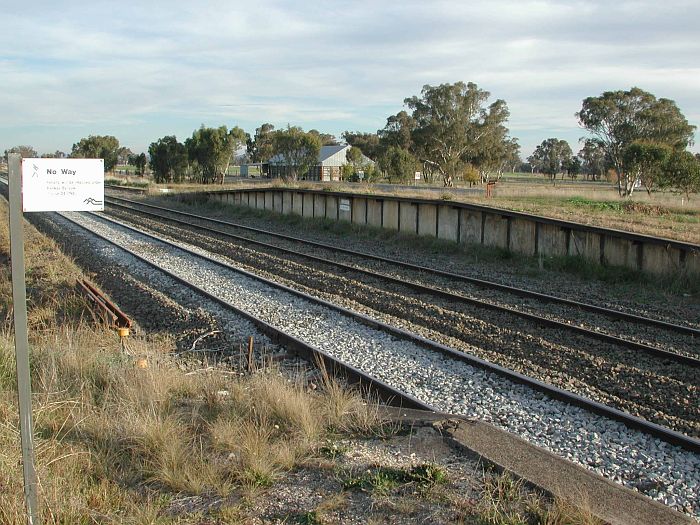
(256, 169)
(331, 160)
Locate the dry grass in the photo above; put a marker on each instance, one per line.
(112, 436)
(116, 442)
(506, 501)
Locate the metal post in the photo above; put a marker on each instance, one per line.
(19, 301)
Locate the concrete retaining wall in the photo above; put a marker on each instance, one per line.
(473, 224)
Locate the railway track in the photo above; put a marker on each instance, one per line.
(434, 374)
(650, 386)
(428, 382)
(640, 331)
(177, 245)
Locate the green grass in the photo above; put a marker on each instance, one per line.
(130, 184)
(382, 480)
(595, 205)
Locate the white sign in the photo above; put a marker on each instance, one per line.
(344, 204)
(63, 184)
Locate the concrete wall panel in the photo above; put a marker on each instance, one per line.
(345, 209)
(287, 197)
(692, 264)
(495, 231)
(359, 209)
(320, 206)
(448, 225)
(374, 212)
(470, 229)
(619, 252)
(522, 236)
(331, 207)
(297, 199)
(427, 220)
(277, 202)
(552, 240)
(270, 200)
(391, 214)
(408, 214)
(585, 244)
(659, 259)
(308, 204)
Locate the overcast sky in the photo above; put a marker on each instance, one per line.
(140, 70)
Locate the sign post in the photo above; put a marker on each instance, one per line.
(41, 185)
(19, 306)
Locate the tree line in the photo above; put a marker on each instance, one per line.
(450, 132)
(637, 139)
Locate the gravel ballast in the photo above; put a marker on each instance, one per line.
(664, 472)
(646, 386)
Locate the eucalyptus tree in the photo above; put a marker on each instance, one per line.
(139, 162)
(98, 147)
(26, 152)
(123, 154)
(646, 162)
(259, 147)
(593, 159)
(168, 159)
(399, 164)
(551, 157)
(297, 150)
(326, 139)
(398, 132)
(616, 119)
(368, 143)
(211, 151)
(682, 172)
(453, 127)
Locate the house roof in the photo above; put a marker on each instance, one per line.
(327, 156)
(327, 152)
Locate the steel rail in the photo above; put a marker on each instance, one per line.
(385, 391)
(688, 330)
(586, 332)
(666, 434)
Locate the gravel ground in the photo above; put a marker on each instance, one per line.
(647, 386)
(664, 472)
(516, 271)
(639, 332)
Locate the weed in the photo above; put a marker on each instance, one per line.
(596, 205)
(333, 450)
(376, 479)
(308, 518)
(428, 475)
(382, 480)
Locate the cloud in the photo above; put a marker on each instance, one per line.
(147, 69)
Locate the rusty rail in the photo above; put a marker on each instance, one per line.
(105, 309)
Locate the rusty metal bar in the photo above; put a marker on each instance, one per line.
(104, 308)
